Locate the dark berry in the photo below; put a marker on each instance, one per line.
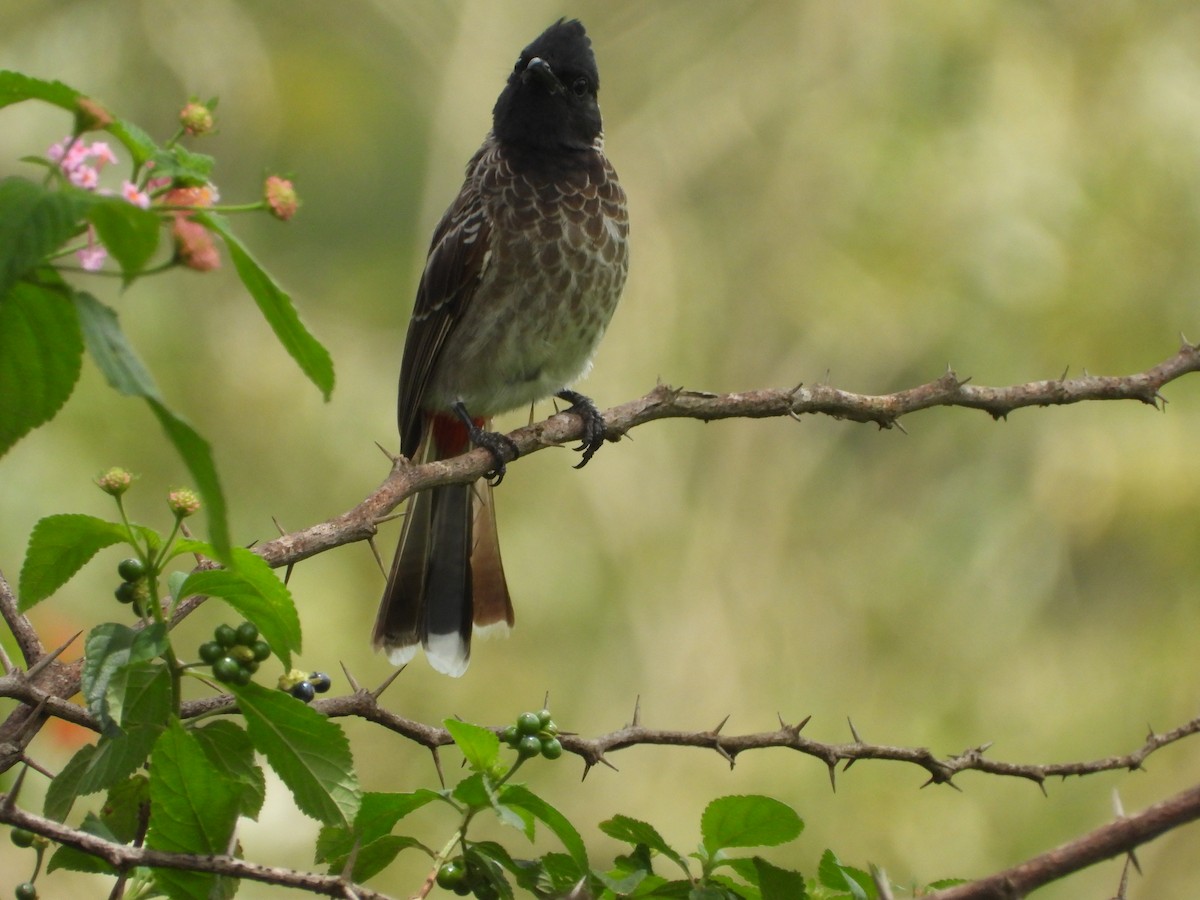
(320, 682)
(242, 677)
(211, 652)
(131, 569)
(451, 874)
(127, 592)
(304, 691)
(551, 748)
(247, 634)
(262, 650)
(529, 745)
(22, 837)
(226, 669)
(226, 635)
(529, 723)
(26, 891)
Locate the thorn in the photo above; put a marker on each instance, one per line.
(1150, 735)
(50, 657)
(720, 725)
(984, 747)
(849, 762)
(375, 552)
(1118, 806)
(37, 767)
(546, 699)
(1063, 376)
(437, 764)
(10, 799)
(897, 425)
(387, 453)
(278, 527)
(387, 682)
(587, 767)
(723, 752)
(803, 722)
(853, 731)
(637, 712)
(833, 775)
(351, 680)
(1124, 885)
(1133, 859)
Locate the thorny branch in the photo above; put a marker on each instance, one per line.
(44, 686)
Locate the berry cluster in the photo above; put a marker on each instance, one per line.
(462, 877)
(533, 733)
(134, 588)
(27, 890)
(235, 653)
(305, 687)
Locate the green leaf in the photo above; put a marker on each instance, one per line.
(748, 821)
(76, 860)
(193, 809)
(110, 350)
(109, 650)
(521, 797)
(372, 827)
(122, 808)
(183, 166)
(833, 875)
(230, 751)
(307, 750)
(58, 548)
(252, 588)
(479, 745)
(15, 87)
(277, 308)
(41, 355)
(633, 831)
(776, 883)
(34, 222)
(129, 232)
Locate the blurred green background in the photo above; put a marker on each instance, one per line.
(860, 191)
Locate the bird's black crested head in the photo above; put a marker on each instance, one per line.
(549, 103)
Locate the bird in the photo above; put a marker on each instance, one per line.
(522, 277)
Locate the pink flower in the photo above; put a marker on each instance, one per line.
(281, 197)
(102, 153)
(86, 177)
(91, 258)
(130, 192)
(194, 246)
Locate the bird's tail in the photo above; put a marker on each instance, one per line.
(446, 578)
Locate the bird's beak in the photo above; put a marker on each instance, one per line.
(540, 69)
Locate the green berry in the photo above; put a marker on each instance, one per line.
(451, 874)
(127, 592)
(544, 718)
(241, 653)
(304, 691)
(226, 635)
(509, 735)
(131, 569)
(26, 891)
(226, 669)
(262, 650)
(242, 678)
(247, 634)
(21, 837)
(551, 748)
(529, 723)
(320, 682)
(211, 652)
(529, 745)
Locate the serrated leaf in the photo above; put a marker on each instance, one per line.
(377, 816)
(99, 766)
(748, 821)
(833, 875)
(230, 751)
(375, 856)
(193, 809)
(41, 355)
(634, 831)
(34, 222)
(306, 749)
(252, 588)
(59, 546)
(775, 883)
(521, 797)
(122, 809)
(479, 745)
(130, 233)
(109, 651)
(110, 350)
(16, 87)
(277, 308)
(76, 860)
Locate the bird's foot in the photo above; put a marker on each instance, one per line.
(593, 424)
(497, 444)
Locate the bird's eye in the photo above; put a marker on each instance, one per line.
(580, 86)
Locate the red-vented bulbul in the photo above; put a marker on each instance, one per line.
(522, 277)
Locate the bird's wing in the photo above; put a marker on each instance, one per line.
(453, 269)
